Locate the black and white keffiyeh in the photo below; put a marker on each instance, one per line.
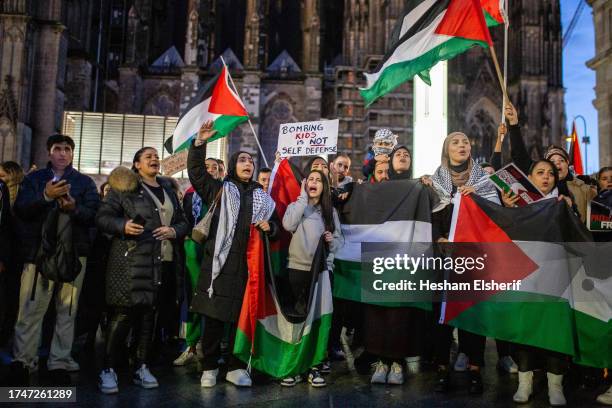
(263, 208)
(479, 179)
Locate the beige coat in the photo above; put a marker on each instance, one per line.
(583, 194)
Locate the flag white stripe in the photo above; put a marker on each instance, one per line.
(390, 231)
(191, 122)
(281, 328)
(415, 46)
(414, 15)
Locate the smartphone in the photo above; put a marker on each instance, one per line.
(139, 219)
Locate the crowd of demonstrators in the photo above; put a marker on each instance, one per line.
(149, 264)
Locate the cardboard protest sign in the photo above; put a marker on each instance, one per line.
(511, 178)
(599, 217)
(175, 163)
(308, 138)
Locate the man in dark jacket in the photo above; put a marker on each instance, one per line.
(58, 185)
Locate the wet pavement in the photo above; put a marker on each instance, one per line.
(180, 387)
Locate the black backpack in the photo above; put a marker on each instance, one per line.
(57, 259)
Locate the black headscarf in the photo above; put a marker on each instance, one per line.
(231, 172)
(393, 175)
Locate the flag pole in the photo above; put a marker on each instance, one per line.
(500, 77)
(506, 27)
(263, 156)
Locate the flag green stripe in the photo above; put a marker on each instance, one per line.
(280, 359)
(396, 74)
(347, 285)
(491, 22)
(542, 321)
(223, 125)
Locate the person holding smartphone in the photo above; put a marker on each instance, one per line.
(58, 185)
(145, 274)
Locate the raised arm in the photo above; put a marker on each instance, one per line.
(203, 183)
(518, 151)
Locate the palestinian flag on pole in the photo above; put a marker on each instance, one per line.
(215, 101)
(427, 32)
(273, 336)
(564, 300)
(397, 211)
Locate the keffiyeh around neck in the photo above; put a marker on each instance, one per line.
(263, 207)
(477, 177)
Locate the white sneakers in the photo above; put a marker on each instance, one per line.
(209, 378)
(606, 397)
(240, 378)
(555, 390)
(107, 382)
(525, 387)
(462, 362)
(187, 357)
(396, 375)
(144, 378)
(380, 373)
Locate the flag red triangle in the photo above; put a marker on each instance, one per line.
(492, 7)
(576, 157)
(505, 261)
(464, 18)
(224, 100)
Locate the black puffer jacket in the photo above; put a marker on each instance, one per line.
(133, 274)
(229, 286)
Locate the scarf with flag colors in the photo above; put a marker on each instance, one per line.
(272, 337)
(429, 31)
(215, 101)
(564, 301)
(393, 211)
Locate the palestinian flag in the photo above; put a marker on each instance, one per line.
(427, 32)
(396, 211)
(215, 101)
(564, 300)
(273, 335)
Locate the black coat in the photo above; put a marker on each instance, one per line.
(32, 209)
(229, 286)
(5, 225)
(134, 270)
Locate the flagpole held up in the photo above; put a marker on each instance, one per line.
(506, 28)
(263, 156)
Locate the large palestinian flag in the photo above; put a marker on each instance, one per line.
(273, 335)
(429, 31)
(215, 101)
(564, 300)
(396, 211)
